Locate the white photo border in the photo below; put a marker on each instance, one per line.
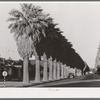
(49, 92)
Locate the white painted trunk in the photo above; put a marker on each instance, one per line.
(54, 70)
(62, 71)
(25, 71)
(66, 72)
(37, 71)
(50, 68)
(75, 72)
(58, 70)
(45, 74)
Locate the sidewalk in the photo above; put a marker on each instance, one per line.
(17, 84)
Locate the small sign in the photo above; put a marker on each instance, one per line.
(4, 73)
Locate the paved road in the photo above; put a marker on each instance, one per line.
(63, 83)
(83, 81)
(80, 83)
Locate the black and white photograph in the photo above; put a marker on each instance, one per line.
(49, 44)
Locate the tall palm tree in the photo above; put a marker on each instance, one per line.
(97, 61)
(27, 26)
(57, 46)
(54, 44)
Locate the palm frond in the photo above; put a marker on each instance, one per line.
(29, 23)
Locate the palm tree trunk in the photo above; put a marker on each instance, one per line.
(75, 72)
(82, 72)
(62, 71)
(66, 72)
(25, 70)
(37, 71)
(54, 70)
(58, 71)
(50, 68)
(45, 68)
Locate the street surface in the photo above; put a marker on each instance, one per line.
(81, 83)
(92, 80)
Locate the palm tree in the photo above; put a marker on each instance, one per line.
(27, 26)
(57, 46)
(97, 61)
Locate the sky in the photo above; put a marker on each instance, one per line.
(79, 21)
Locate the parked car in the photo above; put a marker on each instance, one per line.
(71, 75)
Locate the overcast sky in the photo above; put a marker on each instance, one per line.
(80, 23)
